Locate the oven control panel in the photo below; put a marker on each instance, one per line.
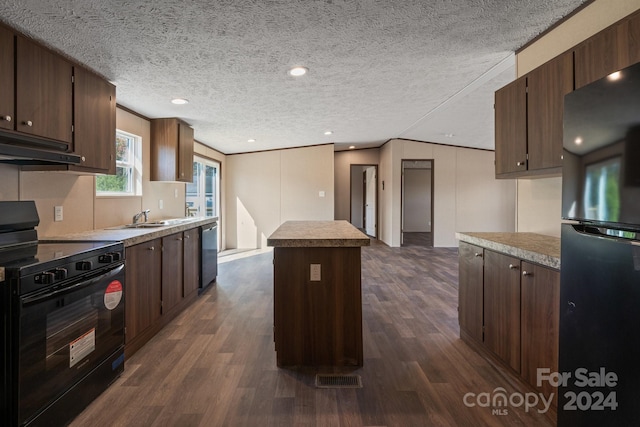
(69, 267)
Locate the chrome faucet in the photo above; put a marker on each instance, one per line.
(137, 216)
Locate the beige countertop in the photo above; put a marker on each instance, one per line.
(131, 236)
(532, 247)
(317, 234)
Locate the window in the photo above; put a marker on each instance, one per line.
(127, 180)
(203, 194)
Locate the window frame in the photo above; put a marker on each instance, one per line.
(135, 164)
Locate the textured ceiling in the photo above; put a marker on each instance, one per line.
(378, 69)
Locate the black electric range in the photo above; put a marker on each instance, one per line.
(63, 320)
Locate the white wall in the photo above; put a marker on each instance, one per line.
(539, 200)
(265, 189)
(467, 197)
(342, 163)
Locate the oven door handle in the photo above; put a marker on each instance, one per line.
(34, 298)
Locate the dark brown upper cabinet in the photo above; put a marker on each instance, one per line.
(44, 101)
(94, 121)
(6, 79)
(171, 150)
(528, 120)
(511, 128)
(546, 87)
(610, 50)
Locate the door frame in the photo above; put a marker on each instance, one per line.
(377, 212)
(433, 166)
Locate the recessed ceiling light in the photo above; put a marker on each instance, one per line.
(179, 101)
(351, 147)
(578, 140)
(328, 132)
(298, 71)
(251, 140)
(448, 135)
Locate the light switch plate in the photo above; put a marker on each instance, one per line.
(57, 213)
(315, 272)
(321, 193)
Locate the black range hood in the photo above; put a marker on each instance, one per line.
(21, 149)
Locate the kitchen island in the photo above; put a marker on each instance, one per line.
(317, 293)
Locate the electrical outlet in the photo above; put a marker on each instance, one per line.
(315, 272)
(321, 193)
(57, 213)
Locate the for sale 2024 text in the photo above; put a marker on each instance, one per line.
(587, 399)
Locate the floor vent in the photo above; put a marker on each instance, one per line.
(338, 381)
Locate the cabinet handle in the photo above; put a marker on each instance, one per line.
(179, 239)
(478, 254)
(152, 248)
(526, 273)
(520, 163)
(28, 123)
(187, 237)
(513, 267)
(6, 118)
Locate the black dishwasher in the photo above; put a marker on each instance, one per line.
(208, 256)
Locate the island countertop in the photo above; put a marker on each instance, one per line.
(533, 247)
(326, 234)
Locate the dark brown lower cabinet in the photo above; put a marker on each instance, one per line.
(540, 289)
(191, 261)
(518, 322)
(502, 307)
(142, 289)
(470, 290)
(172, 274)
(319, 322)
(161, 281)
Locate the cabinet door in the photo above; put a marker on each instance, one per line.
(511, 127)
(6, 79)
(172, 271)
(94, 112)
(142, 287)
(547, 86)
(597, 57)
(470, 289)
(540, 323)
(629, 40)
(171, 150)
(191, 261)
(43, 92)
(502, 307)
(185, 156)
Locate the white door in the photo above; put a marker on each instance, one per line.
(370, 200)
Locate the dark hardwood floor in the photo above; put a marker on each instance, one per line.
(215, 364)
(417, 239)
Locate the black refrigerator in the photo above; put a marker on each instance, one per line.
(599, 350)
